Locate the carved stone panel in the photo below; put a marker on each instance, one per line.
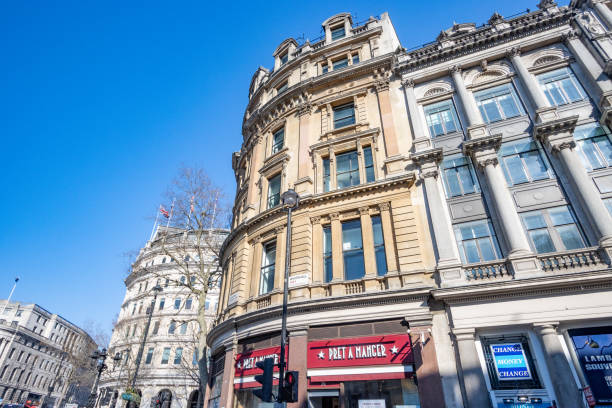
(510, 128)
(467, 208)
(603, 183)
(537, 195)
(449, 143)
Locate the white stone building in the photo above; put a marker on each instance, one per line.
(168, 368)
(42, 357)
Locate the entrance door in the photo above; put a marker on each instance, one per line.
(324, 399)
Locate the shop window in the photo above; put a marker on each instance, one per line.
(165, 355)
(344, 115)
(459, 177)
(326, 174)
(552, 229)
(347, 169)
(518, 373)
(523, 163)
(477, 242)
(368, 162)
(327, 254)
(594, 146)
(341, 63)
(592, 346)
(178, 356)
(395, 393)
(278, 140)
(379, 246)
(338, 32)
(441, 118)
(498, 103)
(352, 250)
(561, 87)
(274, 185)
(149, 357)
(266, 283)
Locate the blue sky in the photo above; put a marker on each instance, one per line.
(102, 102)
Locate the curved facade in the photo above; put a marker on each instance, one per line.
(168, 371)
(329, 122)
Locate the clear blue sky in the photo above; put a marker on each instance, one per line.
(102, 102)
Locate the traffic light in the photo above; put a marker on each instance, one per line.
(289, 391)
(265, 379)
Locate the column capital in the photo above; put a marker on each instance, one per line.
(465, 334)
(546, 327)
(455, 69)
(334, 216)
(315, 220)
(382, 84)
(431, 156)
(408, 83)
(364, 211)
(279, 230)
(483, 150)
(304, 109)
(384, 206)
(570, 35)
(513, 52)
(557, 134)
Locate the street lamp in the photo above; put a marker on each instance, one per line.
(156, 290)
(290, 200)
(99, 357)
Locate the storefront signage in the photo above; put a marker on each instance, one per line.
(371, 403)
(245, 367)
(594, 350)
(510, 362)
(377, 350)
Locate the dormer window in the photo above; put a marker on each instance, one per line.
(338, 32)
(282, 88)
(278, 140)
(284, 58)
(341, 63)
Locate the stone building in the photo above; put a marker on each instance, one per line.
(452, 243)
(168, 370)
(43, 357)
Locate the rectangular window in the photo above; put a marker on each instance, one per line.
(133, 330)
(561, 87)
(284, 58)
(162, 302)
(165, 355)
(352, 250)
(477, 242)
(133, 309)
(608, 204)
(282, 88)
(326, 174)
(522, 162)
(178, 356)
(347, 169)
(355, 59)
(188, 304)
(552, 229)
(498, 103)
(274, 185)
(327, 254)
(594, 146)
(177, 304)
(368, 162)
(379, 246)
(341, 63)
(149, 357)
(337, 33)
(324, 68)
(194, 361)
(156, 327)
(183, 328)
(266, 283)
(441, 118)
(459, 177)
(344, 115)
(278, 140)
(172, 327)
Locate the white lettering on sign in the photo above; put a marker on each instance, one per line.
(356, 352)
(249, 362)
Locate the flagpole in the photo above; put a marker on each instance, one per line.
(154, 225)
(212, 221)
(171, 212)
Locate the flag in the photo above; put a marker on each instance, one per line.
(164, 211)
(191, 206)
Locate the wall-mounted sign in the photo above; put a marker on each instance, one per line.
(594, 350)
(245, 365)
(233, 298)
(299, 280)
(371, 403)
(510, 362)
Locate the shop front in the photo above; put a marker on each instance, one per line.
(245, 370)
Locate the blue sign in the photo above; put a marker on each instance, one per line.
(510, 362)
(594, 349)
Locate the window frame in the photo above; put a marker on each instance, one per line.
(351, 172)
(551, 229)
(366, 166)
(446, 174)
(437, 106)
(273, 200)
(569, 74)
(582, 140)
(337, 29)
(328, 262)
(492, 237)
(379, 248)
(178, 355)
(277, 146)
(339, 123)
(149, 356)
(534, 147)
(348, 252)
(267, 271)
(165, 355)
(514, 97)
(282, 87)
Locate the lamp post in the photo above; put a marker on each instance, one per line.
(10, 295)
(99, 357)
(290, 201)
(156, 290)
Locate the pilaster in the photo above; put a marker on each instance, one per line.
(476, 391)
(367, 238)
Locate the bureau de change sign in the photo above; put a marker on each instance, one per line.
(510, 362)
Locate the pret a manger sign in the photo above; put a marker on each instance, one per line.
(510, 362)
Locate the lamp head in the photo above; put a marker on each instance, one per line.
(290, 198)
(157, 288)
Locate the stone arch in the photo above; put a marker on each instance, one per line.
(433, 89)
(165, 398)
(489, 73)
(544, 57)
(193, 399)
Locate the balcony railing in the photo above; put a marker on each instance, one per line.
(571, 261)
(487, 270)
(264, 302)
(351, 288)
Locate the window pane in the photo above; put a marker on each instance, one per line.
(381, 261)
(344, 115)
(605, 147)
(340, 63)
(274, 191)
(570, 90)
(326, 175)
(508, 105)
(534, 220)
(351, 235)
(541, 241)
(570, 236)
(352, 248)
(178, 356)
(353, 265)
(165, 355)
(369, 164)
(591, 157)
(327, 253)
(554, 94)
(355, 59)
(377, 231)
(486, 249)
(560, 216)
(435, 124)
(278, 140)
(452, 182)
(467, 181)
(515, 169)
(471, 251)
(337, 33)
(491, 110)
(535, 165)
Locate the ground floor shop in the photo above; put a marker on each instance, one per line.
(160, 396)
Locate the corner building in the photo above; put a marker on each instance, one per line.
(329, 121)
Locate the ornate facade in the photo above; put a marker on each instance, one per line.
(168, 371)
(452, 246)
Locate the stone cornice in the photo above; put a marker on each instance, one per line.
(493, 141)
(306, 202)
(427, 156)
(543, 130)
(356, 301)
(482, 38)
(541, 286)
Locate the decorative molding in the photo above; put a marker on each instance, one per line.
(315, 220)
(544, 130)
(430, 173)
(384, 206)
(334, 216)
(364, 210)
(408, 83)
(431, 156)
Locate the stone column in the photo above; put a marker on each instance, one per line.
(603, 11)
(298, 350)
(544, 111)
(304, 183)
(367, 239)
(252, 194)
(566, 389)
(588, 62)
(476, 126)
(226, 399)
(387, 227)
(558, 139)
(394, 161)
(317, 250)
(279, 267)
(337, 259)
(420, 135)
(255, 267)
(476, 391)
(426, 365)
(484, 153)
